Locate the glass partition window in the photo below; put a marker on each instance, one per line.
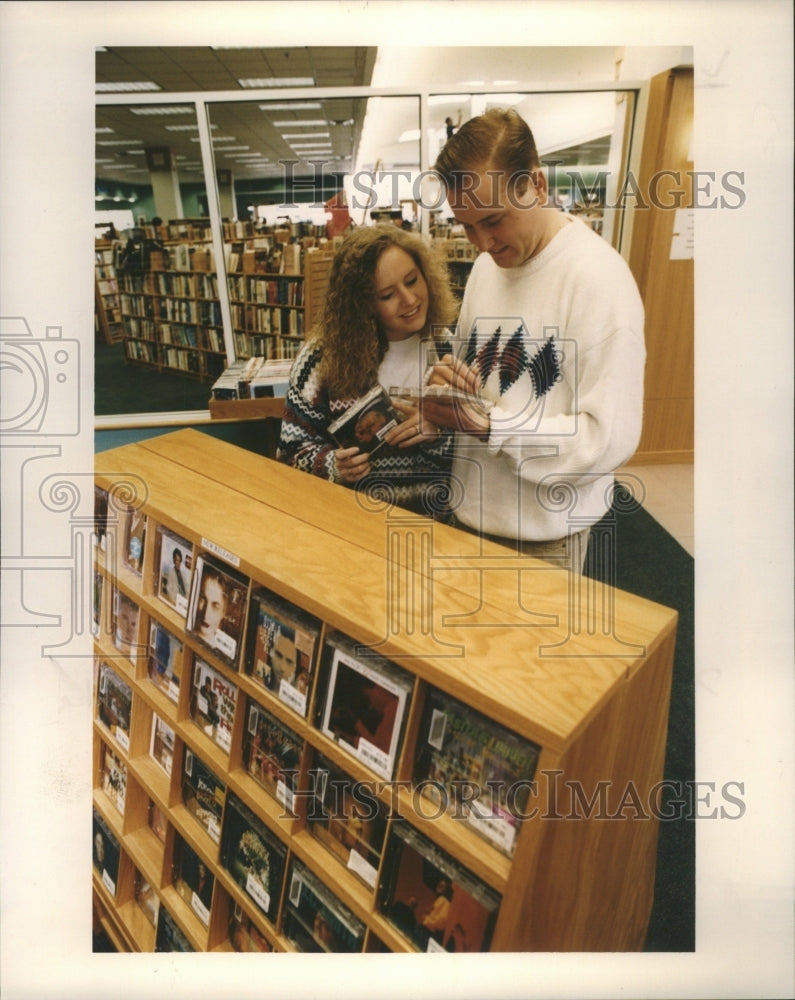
(582, 140)
(291, 177)
(288, 177)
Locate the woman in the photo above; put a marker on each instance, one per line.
(384, 321)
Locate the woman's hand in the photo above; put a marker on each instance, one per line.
(414, 429)
(352, 464)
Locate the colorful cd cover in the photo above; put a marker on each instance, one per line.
(281, 648)
(365, 706)
(213, 699)
(174, 570)
(366, 423)
(157, 821)
(244, 935)
(125, 624)
(114, 705)
(203, 793)
(161, 743)
(165, 660)
(434, 902)
(217, 607)
(106, 853)
(146, 898)
(113, 777)
(272, 754)
(193, 879)
(134, 539)
(253, 856)
(475, 768)
(315, 920)
(169, 936)
(347, 818)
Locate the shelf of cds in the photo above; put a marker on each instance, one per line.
(335, 726)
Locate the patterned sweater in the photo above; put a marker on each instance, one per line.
(559, 344)
(417, 478)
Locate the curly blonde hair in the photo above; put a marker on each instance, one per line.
(353, 342)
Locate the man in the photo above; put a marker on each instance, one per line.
(211, 606)
(552, 352)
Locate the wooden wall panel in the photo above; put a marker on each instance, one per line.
(667, 286)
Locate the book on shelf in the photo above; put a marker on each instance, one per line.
(281, 648)
(315, 920)
(174, 570)
(254, 857)
(431, 899)
(244, 935)
(475, 768)
(203, 794)
(193, 879)
(134, 539)
(106, 852)
(169, 936)
(125, 623)
(347, 818)
(164, 664)
(113, 777)
(365, 704)
(272, 754)
(213, 699)
(365, 424)
(161, 743)
(114, 704)
(146, 898)
(217, 607)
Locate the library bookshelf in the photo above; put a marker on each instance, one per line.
(107, 305)
(570, 667)
(170, 311)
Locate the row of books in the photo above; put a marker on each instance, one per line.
(264, 289)
(472, 765)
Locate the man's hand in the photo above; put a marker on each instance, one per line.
(463, 409)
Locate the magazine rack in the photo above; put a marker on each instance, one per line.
(577, 669)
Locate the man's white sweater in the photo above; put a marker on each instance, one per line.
(559, 342)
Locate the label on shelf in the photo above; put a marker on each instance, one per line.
(229, 557)
(371, 755)
(362, 868)
(292, 696)
(258, 892)
(108, 882)
(285, 796)
(494, 828)
(199, 909)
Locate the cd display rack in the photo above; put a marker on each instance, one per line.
(463, 754)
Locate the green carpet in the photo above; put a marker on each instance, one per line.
(121, 387)
(652, 564)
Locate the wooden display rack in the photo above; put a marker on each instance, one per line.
(579, 668)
